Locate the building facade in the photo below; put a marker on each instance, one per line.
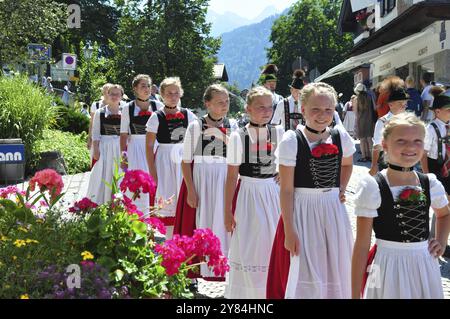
(395, 37)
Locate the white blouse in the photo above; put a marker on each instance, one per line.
(125, 119)
(96, 132)
(286, 153)
(431, 139)
(368, 196)
(192, 137)
(153, 121)
(235, 149)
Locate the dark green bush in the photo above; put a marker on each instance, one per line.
(72, 147)
(71, 120)
(25, 112)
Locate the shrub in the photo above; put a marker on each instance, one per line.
(71, 120)
(72, 147)
(25, 111)
(114, 243)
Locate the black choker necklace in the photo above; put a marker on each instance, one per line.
(142, 100)
(257, 125)
(399, 168)
(170, 108)
(209, 116)
(314, 131)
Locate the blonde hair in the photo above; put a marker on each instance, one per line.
(105, 87)
(410, 80)
(213, 89)
(115, 86)
(257, 91)
(171, 81)
(318, 88)
(404, 118)
(140, 77)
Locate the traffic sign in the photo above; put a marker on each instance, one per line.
(69, 61)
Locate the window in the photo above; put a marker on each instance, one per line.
(387, 6)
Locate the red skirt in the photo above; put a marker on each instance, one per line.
(280, 261)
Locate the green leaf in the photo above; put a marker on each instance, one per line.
(8, 204)
(24, 215)
(139, 228)
(106, 262)
(118, 275)
(93, 224)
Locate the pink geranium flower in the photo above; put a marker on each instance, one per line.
(137, 181)
(182, 249)
(83, 205)
(156, 223)
(47, 179)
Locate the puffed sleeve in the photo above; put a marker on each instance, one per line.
(96, 126)
(437, 192)
(125, 120)
(234, 149)
(378, 132)
(152, 123)
(191, 116)
(286, 152)
(430, 138)
(347, 142)
(278, 114)
(368, 198)
(190, 141)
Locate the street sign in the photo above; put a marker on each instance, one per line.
(69, 61)
(39, 52)
(12, 153)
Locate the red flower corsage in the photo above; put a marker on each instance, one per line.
(144, 113)
(174, 117)
(266, 147)
(223, 130)
(411, 195)
(324, 149)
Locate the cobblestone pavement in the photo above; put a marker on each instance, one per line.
(76, 186)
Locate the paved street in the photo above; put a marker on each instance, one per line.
(76, 186)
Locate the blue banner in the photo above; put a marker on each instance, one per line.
(12, 153)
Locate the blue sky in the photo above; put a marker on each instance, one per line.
(248, 8)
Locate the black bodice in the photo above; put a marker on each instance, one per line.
(258, 160)
(138, 123)
(109, 125)
(171, 131)
(210, 146)
(322, 172)
(400, 221)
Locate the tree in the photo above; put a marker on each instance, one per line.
(309, 30)
(99, 23)
(92, 75)
(166, 38)
(28, 21)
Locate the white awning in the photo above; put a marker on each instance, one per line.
(370, 56)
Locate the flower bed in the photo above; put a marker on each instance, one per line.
(101, 251)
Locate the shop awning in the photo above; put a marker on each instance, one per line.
(370, 56)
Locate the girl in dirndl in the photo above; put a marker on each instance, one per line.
(311, 256)
(250, 154)
(106, 146)
(205, 147)
(395, 204)
(168, 127)
(135, 116)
